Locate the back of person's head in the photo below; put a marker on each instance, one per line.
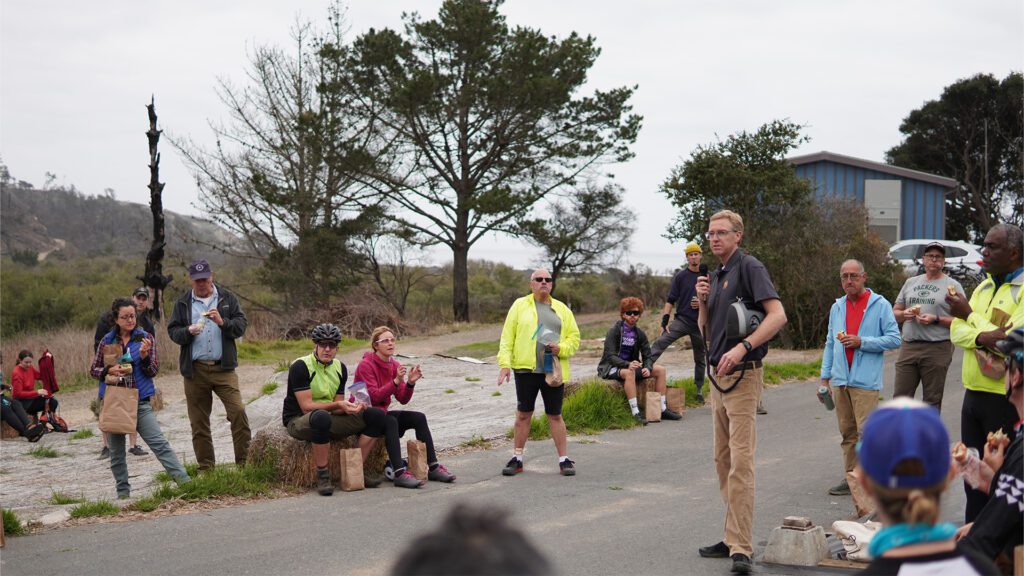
(904, 454)
(473, 541)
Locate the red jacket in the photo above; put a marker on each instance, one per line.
(23, 382)
(379, 377)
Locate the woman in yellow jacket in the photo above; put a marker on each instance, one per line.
(538, 328)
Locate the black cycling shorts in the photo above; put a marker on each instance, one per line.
(527, 386)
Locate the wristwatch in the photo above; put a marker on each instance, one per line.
(936, 321)
(747, 345)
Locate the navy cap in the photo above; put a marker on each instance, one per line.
(904, 429)
(199, 269)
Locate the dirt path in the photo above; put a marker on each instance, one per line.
(460, 399)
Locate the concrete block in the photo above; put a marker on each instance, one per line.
(55, 517)
(804, 547)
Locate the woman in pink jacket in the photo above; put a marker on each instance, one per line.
(386, 377)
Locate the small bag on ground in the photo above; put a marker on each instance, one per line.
(120, 411)
(652, 407)
(676, 399)
(351, 470)
(417, 459)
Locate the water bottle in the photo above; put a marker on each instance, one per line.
(549, 362)
(360, 393)
(825, 397)
(970, 468)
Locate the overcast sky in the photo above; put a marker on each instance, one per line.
(75, 77)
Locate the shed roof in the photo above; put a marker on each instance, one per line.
(868, 164)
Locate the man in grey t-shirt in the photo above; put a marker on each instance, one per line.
(922, 309)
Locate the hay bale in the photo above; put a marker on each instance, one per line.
(7, 432)
(156, 401)
(293, 458)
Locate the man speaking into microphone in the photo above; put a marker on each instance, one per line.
(736, 376)
(683, 295)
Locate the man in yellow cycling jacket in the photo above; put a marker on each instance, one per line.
(994, 310)
(538, 329)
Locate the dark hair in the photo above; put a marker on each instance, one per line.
(119, 303)
(472, 540)
(24, 354)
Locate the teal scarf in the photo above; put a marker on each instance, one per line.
(905, 534)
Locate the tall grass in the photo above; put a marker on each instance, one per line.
(95, 508)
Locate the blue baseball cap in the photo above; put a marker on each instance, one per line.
(904, 429)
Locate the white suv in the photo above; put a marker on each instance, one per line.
(910, 252)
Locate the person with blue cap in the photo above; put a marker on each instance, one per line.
(905, 466)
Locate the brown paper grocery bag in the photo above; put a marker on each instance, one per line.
(111, 353)
(120, 411)
(862, 503)
(652, 406)
(676, 399)
(417, 452)
(351, 469)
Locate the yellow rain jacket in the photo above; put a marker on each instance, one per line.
(518, 349)
(985, 300)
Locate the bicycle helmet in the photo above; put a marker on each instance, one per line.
(1013, 347)
(326, 333)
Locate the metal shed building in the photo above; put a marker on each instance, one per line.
(901, 203)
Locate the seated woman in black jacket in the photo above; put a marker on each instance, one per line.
(627, 358)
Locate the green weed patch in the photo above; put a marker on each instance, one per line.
(96, 508)
(83, 434)
(43, 452)
(12, 524)
(60, 499)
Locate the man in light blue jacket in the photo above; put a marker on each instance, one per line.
(861, 327)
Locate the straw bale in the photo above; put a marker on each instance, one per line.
(293, 458)
(8, 432)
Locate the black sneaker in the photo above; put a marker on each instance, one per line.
(671, 415)
(34, 433)
(841, 489)
(760, 408)
(323, 482)
(719, 550)
(700, 399)
(514, 466)
(566, 467)
(741, 564)
(137, 450)
(640, 419)
(104, 454)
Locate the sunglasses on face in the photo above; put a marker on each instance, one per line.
(542, 280)
(385, 341)
(632, 313)
(328, 345)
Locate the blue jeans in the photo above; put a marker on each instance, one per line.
(149, 429)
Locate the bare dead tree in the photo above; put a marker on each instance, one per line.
(154, 277)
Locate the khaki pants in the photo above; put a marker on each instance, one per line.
(206, 381)
(852, 408)
(735, 426)
(927, 363)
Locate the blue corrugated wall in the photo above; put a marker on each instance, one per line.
(922, 210)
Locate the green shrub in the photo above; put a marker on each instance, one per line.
(12, 524)
(476, 441)
(60, 498)
(97, 508)
(230, 480)
(268, 388)
(592, 408)
(43, 452)
(192, 468)
(83, 434)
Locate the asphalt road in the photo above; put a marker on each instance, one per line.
(643, 501)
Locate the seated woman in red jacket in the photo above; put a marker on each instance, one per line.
(23, 386)
(384, 378)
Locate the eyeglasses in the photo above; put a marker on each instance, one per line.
(328, 345)
(386, 341)
(851, 275)
(717, 233)
(542, 280)
(127, 317)
(632, 312)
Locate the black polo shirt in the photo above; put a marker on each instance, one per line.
(743, 278)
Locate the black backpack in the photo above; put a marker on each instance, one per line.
(49, 416)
